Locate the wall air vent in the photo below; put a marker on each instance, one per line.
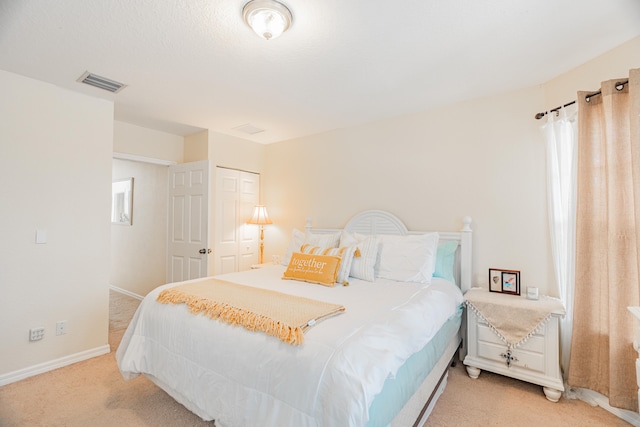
(101, 82)
(249, 128)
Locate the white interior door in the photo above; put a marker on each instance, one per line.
(188, 216)
(235, 241)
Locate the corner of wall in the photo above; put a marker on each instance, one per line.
(196, 147)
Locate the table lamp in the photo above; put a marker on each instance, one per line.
(260, 217)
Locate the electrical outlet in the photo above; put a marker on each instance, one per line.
(61, 327)
(36, 334)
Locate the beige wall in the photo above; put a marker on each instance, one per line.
(55, 161)
(144, 142)
(482, 158)
(236, 153)
(138, 252)
(196, 147)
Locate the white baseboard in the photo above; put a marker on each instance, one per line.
(126, 292)
(602, 401)
(41, 368)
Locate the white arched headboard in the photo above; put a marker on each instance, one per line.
(376, 222)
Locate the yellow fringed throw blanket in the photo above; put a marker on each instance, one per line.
(284, 316)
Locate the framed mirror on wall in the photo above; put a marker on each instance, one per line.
(122, 201)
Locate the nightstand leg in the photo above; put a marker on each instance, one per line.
(552, 394)
(473, 372)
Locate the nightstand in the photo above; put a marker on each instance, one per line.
(531, 328)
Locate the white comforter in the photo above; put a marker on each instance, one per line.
(243, 378)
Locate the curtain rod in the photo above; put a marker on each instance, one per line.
(587, 97)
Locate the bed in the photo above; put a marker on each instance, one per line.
(383, 361)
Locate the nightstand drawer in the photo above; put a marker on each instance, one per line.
(523, 358)
(535, 343)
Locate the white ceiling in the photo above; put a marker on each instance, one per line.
(194, 64)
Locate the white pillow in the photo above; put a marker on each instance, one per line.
(362, 267)
(410, 258)
(299, 238)
(328, 240)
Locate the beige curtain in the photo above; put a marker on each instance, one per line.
(607, 242)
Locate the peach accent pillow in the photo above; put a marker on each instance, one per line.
(321, 269)
(346, 254)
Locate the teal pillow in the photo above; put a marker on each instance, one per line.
(445, 260)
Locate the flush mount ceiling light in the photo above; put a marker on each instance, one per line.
(268, 18)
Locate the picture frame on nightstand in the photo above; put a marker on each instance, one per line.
(504, 281)
(511, 282)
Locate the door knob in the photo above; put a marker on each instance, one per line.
(204, 251)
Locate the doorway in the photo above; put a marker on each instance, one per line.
(138, 249)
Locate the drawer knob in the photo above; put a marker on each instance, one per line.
(508, 357)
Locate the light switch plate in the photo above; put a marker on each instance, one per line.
(41, 236)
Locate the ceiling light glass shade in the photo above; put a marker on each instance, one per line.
(268, 18)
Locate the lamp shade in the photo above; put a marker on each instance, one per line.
(267, 18)
(260, 216)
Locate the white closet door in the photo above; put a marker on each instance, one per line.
(236, 242)
(188, 216)
(249, 233)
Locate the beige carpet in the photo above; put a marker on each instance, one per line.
(93, 393)
(494, 400)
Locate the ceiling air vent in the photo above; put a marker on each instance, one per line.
(249, 128)
(101, 82)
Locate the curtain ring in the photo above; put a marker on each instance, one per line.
(619, 86)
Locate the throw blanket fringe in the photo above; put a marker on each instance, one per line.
(283, 316)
